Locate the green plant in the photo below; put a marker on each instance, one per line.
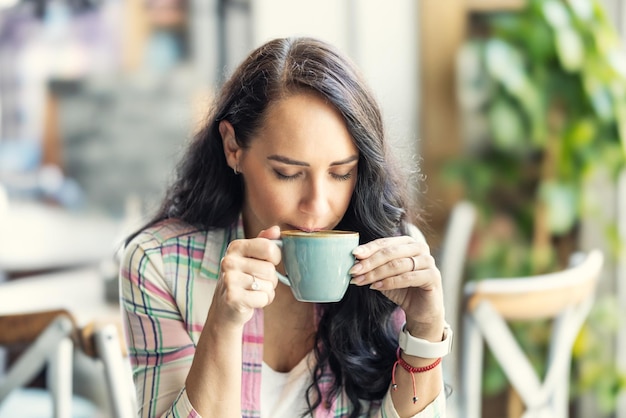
(549, 84)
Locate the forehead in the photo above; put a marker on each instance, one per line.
(305, 122)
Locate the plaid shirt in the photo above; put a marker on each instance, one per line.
(168, 277)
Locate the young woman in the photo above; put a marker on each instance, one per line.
(295, 141)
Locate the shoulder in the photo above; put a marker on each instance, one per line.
(170, 230)
(168, 250)
(173, 243)
(166, 234)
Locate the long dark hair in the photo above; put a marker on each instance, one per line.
(355, 339)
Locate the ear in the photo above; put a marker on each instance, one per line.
(232, 150)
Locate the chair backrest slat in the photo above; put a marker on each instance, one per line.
(540, 296)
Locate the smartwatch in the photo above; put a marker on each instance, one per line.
(419, 347)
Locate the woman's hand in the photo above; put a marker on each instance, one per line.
(247, 277)
(405, 271)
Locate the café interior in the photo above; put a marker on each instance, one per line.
(511, 115)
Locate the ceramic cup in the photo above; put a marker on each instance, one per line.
(317, 263)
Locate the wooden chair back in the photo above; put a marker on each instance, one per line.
(566, 297)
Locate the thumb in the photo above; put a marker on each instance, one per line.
(270, 233)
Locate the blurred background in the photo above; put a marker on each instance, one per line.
(517, 107)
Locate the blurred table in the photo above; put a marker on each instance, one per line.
(36, 237)
(80, 291)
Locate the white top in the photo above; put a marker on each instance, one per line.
(282, 394)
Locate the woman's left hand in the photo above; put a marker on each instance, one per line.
(403, 269)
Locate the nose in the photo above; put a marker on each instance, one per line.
(315, 199)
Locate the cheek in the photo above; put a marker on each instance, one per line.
(348, 192)
(266, 197)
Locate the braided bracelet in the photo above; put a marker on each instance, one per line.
(406, 366)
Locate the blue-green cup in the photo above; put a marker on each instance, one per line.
(317, 263)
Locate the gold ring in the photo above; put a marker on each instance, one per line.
(414, 264)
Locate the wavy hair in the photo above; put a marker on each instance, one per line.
(355, 339)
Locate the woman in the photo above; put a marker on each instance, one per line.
(295, 141)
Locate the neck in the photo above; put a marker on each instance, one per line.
(289, 330)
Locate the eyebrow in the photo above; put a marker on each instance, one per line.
(287, 160)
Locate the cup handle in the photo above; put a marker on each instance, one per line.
(283, 279)
(280, 276)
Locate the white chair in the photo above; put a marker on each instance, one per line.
(48, 341)
(565, 296)
(452, 260)
(89, 368)
(104, 343)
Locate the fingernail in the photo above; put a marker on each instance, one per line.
(376, 285)
(356, 268)
(358, 250)
(357, 280)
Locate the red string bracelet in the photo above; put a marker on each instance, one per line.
(406, 366)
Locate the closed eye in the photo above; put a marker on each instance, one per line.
(282, 176)
(342, 177)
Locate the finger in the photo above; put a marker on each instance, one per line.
(265, 287)
(398, 253)
(396, 267)
(260, 299)
(239, 290)
(266, 278)
(427, 279)
(255, 284)
(366, 250)
(258, 248)
(272, 232)
(262, 270)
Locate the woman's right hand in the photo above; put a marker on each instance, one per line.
(247, 261)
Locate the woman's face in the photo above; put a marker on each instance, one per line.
(300, 169)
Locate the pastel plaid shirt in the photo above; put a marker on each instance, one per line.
(168, 276)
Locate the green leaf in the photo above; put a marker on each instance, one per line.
(582, 133)
(620, 116)
(582, 9)
(504, 63)
(506, 125)
(539, 43)
(605, 38)
(599, 97)
(561, 202)
(570, 50)
(612, 156)
(617, 61)
(555, 14)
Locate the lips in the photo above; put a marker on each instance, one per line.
(308, 229)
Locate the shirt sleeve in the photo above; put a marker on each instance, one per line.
(160, 348)
(436, 409)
